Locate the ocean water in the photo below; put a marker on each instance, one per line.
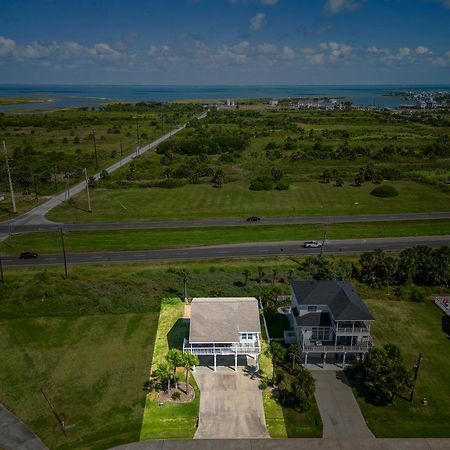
(83, 95)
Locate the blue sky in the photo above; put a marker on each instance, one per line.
(225, 41)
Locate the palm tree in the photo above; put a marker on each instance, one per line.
(290, 275)
(294, 353)
(277, 352)
(274, 276)
(260, 274)
(189, 361)
(246, 274)
(175, 358)
(164, 373)
(184, 274)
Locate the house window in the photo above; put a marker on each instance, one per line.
(312, 308)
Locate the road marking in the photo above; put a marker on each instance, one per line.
(51, 259)
(97, 257)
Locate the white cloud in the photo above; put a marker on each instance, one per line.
(448, 54)
(257, 22)
(420, 50)
(374, 50)
(6, 46)
(337, 6)
(404, 52)
(317, 58)
(267, 49)
(288, 53)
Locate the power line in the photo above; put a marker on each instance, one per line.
(13, 199)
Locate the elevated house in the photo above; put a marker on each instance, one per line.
(329, 320)
(223, 327)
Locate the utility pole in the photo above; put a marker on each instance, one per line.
(64, 253)
(1, 269)
(35, 188)
(95, 149)
(324, 237)
(121, 152)
(87, 190)
(54, 178)
(416, 373)
(162, 120)
(138, 134)
(13, 199)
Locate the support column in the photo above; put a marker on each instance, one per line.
(193, 368)
(343, 360)
(324, 358)
(306, 358)
(257, 362)
(235, 362)
(215, 363)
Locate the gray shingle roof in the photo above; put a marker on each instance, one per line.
(343, 301)
(314, 320)
(222, 319)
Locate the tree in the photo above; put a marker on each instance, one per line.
(326, 176)
(294, 354)
(290, 276)
(303, 387)
(274, 276)
(381, 374)
(377, 269)
(164, 373)
(277, 351)
(189, 361)
(184, 274)
(104, 175)
(260, 274)
(277, 174)
(175, 359)
(339, 182)
(246, 274)
(358, 179)
(218, 178)
(92, 183)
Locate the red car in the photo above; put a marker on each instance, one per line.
(28, 255)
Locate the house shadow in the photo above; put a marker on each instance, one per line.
(177, 333)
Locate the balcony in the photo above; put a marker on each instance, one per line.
(360, 328)
(329, 347)
(213, 349)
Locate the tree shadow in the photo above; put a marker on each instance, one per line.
(177, 333)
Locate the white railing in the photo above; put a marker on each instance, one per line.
(350, 330)
(232, 350)
(337, 348)
(443, 304)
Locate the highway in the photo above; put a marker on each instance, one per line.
(250, 250)
(19, 227)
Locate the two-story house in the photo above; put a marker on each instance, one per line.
(330, 321)
(224, 327)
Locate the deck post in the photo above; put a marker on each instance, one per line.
(235, 361)
(193, 368)
(325, 358)
(215, 365)
(257, 362)
(343, 360)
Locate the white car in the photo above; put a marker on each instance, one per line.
(312, 244)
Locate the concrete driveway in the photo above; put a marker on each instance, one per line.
(340, 413)
(15, 435)
(231, 404)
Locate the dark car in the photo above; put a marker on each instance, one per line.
(28, 255)
(253, 219)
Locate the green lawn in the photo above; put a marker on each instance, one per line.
(92, 368)
(173, 420)
(236, 200)
(415, 328)
(81, 241)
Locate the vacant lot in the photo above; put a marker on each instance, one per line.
(236, 200)
(415, 328)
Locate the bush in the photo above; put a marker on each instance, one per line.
(176, 396)
(416, 296)
(282, 186)
(385, 191)
(261, 184)
(170, 184)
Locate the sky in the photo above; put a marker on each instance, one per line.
(234, 42)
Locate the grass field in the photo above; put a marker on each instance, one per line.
(160, 238)
(415, 328)
(173, 420)
(236, 200)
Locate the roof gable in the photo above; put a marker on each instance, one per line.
(340, 297)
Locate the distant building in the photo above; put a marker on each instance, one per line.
(273, 102)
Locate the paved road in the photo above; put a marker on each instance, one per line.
(15, 435)
(20, 227)
(340, 413)
(264, 249)
(292, 444)
(36, 215)
(231, 404)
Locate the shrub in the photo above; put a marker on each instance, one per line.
(170, 184)
(416, 296)
(261, 184)
(176, 396)
(282, 186)
(385, 191)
